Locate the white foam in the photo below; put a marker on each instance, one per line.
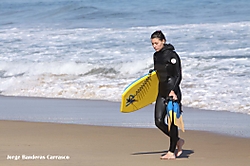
(99, 63)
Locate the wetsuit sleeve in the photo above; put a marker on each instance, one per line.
(178, 72)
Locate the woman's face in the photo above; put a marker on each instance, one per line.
(157, 44)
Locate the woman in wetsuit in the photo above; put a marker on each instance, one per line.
(168, 69)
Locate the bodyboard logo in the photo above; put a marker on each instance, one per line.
(140, 92)
(130, 100)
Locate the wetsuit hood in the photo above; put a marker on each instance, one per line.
(167, 47)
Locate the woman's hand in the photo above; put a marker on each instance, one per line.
(173, 94)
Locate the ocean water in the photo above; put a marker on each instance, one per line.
(93, 49)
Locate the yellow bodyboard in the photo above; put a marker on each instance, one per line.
(140, 93)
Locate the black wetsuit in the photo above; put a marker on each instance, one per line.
(168, 68)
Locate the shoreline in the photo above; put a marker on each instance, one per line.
(107, 113)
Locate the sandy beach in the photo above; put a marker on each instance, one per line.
(29, 143)
(47, 143)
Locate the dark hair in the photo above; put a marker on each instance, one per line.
(158, 34)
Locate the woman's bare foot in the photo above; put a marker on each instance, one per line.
(168, 156)
(180, 143)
